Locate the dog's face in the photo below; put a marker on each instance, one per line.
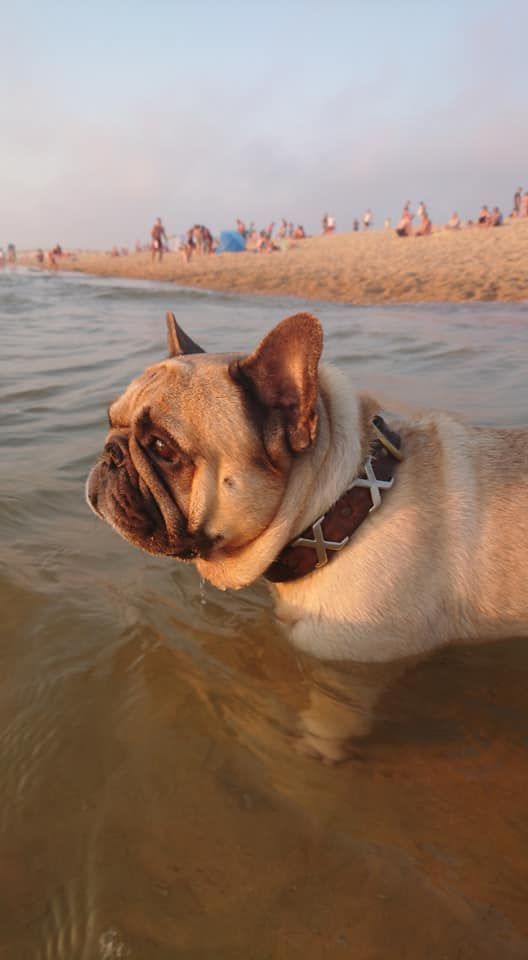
(201, 445)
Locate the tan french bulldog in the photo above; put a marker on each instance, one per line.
(236, 463)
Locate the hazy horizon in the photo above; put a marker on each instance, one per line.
(113, 115)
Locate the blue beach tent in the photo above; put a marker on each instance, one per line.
(231, 241)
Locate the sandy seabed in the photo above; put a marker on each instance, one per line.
(374, 267)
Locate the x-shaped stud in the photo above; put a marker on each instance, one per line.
(319, 544)
(373, 483)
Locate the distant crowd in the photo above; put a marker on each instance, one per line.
(424, 226)
(199, 240)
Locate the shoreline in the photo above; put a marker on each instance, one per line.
(375, 267)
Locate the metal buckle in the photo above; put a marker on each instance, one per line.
(319, 544)
(373, 484)
(390, 447)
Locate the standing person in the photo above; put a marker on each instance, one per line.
(367, 219)
(525, 204)
(207, 240)
(516, 212)
(158, 237)
(425, 228)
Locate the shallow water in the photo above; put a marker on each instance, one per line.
(155, 798)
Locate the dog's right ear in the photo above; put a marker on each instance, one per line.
(281, 375)
(177, 340)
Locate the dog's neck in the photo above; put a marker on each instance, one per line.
(339, 453)
(330, 532)
(317, 479)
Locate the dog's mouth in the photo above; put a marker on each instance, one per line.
(120, 497)
(144, 512)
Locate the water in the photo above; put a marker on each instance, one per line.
(155, 801)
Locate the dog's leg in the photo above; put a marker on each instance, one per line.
(342, 704)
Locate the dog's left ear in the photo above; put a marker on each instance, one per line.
(177, 340)
(281, 374)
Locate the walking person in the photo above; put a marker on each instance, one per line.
(158, 238)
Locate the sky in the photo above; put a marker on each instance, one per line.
(202, 111)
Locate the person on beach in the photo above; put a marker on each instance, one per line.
(158, 238)
(404, 228)
(208, 241)
(496, 218)
(367, 219)
(484, 217)
(189, 246)
(53, 256)
(263, 243)
(299, 233)
(355, 225)
(426, 227)
(516, 211)
(282, 232)
(525, 204)
(454, 222)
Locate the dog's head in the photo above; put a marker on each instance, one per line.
(201, 445)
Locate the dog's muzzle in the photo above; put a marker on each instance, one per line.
(119, 494)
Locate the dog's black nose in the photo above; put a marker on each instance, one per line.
(115, 451)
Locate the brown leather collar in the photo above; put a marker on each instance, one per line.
(318, 544)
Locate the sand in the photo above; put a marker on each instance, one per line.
(367, 267)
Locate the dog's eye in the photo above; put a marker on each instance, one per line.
(163, 449)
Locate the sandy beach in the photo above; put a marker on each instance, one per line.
(367, 267)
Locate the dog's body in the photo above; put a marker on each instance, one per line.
(224, 459)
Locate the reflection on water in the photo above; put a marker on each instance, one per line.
(171, 778)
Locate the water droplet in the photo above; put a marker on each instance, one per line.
(203, 600)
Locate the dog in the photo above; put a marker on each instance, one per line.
(380, 541)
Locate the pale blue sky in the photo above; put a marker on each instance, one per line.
(114, 113)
